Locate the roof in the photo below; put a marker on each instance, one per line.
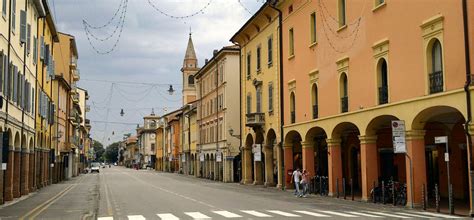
(221, 51)
(251, 19)
(190, 53)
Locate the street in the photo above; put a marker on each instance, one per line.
(120, 193)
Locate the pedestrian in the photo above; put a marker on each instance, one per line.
(304, 182)
(296, 177)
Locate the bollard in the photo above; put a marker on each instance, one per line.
(352, 190)
(451, 205)
(337, 188)
(423, 196)
(394, 202)
(344, 187)
(373, 193)
(383, 192)
(320, 186)
(437, 197)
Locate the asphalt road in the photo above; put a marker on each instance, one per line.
(120, 193)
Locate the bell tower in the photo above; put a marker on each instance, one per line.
(189, 69)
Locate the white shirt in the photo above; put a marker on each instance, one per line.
(296, 176)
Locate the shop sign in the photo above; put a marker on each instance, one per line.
(257, 152)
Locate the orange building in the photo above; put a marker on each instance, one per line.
(352, 67)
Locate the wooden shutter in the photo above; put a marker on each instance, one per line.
(28, 38)
(23, 26)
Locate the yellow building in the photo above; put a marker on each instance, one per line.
(18, 61)
(189, 130)
(260, 85)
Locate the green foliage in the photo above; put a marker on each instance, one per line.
(111, 152)
(98, 150)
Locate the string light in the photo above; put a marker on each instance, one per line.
(200, 11)
(243, 6)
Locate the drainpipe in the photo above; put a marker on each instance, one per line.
(468, 101)
(282, 122)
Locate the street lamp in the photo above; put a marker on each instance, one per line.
(121, 112)
(231, 133)
(171, 90)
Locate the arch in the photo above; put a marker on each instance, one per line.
(30, 145)
(314, 133)
(16, 143)
(344, 128)
(23, 142)
(271, 137)
(379, 122)
(249, 141)
(314, 100)
(434, 54)
(382, 80)
(343, 86)
(191, 79)
(10, 137)
(436, 113)
(292, 137)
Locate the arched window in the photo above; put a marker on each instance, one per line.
(436, 73)
(191, 80)
(292, 107)
(382, 81)
(314, 100)
(343, 92)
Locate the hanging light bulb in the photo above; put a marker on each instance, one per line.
(113, 132)
(121, 112)
(171, 90)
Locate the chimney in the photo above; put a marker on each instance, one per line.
(206, 61)
(215, 52)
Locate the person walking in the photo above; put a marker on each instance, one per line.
(296, 177)
(304, 182)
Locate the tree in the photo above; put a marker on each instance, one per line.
(111, 152)
(98, 149)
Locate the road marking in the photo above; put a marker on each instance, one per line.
(107, 198)
(437, 215)
(365, 214)
(197, 215)
(136, 217)
(389, 215)
(413, 215)
(255, 213)
(227, 214)
(311, 213)
(167, 216)
(105, 218)
(339, 214)
(286, 214)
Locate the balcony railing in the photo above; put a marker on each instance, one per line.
(344, 104)
(256, 119)
(293, 117)
(73, 61)
(315, 111)
(383, 95)
(436, 82)
(76, 75)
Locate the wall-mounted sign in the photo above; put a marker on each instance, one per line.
(257, 152)
(398, 137)
(201, 157)
(218, 157)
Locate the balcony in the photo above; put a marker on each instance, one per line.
(436, 82)
(255, 120)
(75, 98)
(383, 95)
(73, 63)
(344, 104)
(72, 115)
(315, 111)
(76, 75)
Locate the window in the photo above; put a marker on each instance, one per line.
(3, 68)
(13, 18)
(221, 73)
(290, 9)
(270, 97)
(313, 27)
(270, 50)
(382, 81)
(28, 39)
(343, 93)
(258, 58)
(152, 147)
(35, 50)
(292, 43)
(23, 26)
(314, 100)
(191, 80)
(292, 108)
(342, 12)
(42, 48)
(249, 103)
(259, 99)
(4, 8)
(249, 58)
(436, 73)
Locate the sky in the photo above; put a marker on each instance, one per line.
(150, 46)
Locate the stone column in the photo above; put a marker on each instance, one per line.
(308, 157)
(25, 167)
(8, 193)
(257, 171)
(415, 142)
(281, 172)
(470, 169)
(31, 173)
(16, 173)
(334, 164)
(269, 181)
(288, 157)
(369, 166)
(247, 161)
(38, 169)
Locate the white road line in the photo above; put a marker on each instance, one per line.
(365, 214)
(227, 214)
(311, 213)
(197, 215)
(105, 218)
(389, 215)
(437, 215)
(414, 215)
(136, 217)
(339, 214)
(167, 216)
(255, 213)
(286, 214)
